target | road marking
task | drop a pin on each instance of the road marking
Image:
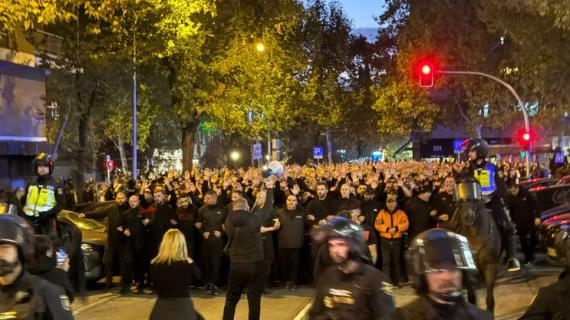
(303, 313)
(94, 304)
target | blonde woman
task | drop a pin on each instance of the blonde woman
(172, 272)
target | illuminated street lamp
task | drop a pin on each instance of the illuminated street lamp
(260, 47)
(235, 155)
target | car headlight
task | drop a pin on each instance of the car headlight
(87, 247)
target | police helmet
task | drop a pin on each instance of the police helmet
(479, 145)
(343, 228)
(43, 159)
(16, 231)
(467, 188)
(436, 249)
(562, 245)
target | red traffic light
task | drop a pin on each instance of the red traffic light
(525, 138)
(426, 69)
(110, 164)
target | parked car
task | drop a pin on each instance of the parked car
(548, 197)
(554, 221)
(92, 244)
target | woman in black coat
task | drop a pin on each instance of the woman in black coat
(172, 273)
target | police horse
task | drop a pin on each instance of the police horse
(472, 220)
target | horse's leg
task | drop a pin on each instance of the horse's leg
(470, 286)
(490, 278)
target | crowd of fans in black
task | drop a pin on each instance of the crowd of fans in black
(392, 201)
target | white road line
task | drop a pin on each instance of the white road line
(304, 311)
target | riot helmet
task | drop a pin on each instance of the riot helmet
(16, 231)
(343, 228)
(479, 145)
(43, 159)
(436, 250)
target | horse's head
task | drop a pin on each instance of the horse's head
(467, 212)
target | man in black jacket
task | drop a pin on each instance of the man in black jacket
(290, 241)
(132, 247)
(245, 249)
(210, 225)
(114, 236)
(521, 208)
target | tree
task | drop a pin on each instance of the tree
(28, 15)
(327, 46)
(438, 29)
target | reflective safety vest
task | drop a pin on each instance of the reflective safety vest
(486, 177)
(39, 199)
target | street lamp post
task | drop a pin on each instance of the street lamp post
(513, 92)
(135, 106)
(260, 47)
(235, 156)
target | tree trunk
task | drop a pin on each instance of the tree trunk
(188, 136)
(120, 145)
(329, 146)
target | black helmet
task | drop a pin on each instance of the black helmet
(341, 227)
(562, 246)
(436, 249)
(479, 145)
(15, 230)
(43, 159)
(467, 188)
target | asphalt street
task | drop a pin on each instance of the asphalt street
(513, 295)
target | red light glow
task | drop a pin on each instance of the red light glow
(426, 69)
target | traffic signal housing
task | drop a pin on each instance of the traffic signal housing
(525, 138)
(426, 74)
(110, 164)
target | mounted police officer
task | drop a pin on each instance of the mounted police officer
(24, 296)
(350, 288)
(494, 191)
(440, 262)
(44, 197)
(551, 303)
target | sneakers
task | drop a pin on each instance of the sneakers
(290, 286)
(513, 265)
(212, 289)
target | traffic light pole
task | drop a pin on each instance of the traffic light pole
(514, 93)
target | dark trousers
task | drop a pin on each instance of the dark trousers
(528, 242)
(211, 259)
(289, 264)
(110, 257)
(244, 276)
(391, 251)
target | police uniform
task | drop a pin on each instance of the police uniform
(353, 289)
(363, 294)
(30, 297)
(44, 199)
(493, 191)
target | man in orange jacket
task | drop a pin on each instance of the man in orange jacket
(391, 222)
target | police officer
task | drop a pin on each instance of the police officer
(494, 191)
(440, 260)
(350, 288)
(551, 303)
(24, 296)
(44, 197)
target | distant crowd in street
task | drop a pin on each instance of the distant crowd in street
(392, 201)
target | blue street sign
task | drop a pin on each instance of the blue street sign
(256, 151)
(318, 152)
(457, 148)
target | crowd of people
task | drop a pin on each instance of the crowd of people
(392, 201)
(248, 229)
